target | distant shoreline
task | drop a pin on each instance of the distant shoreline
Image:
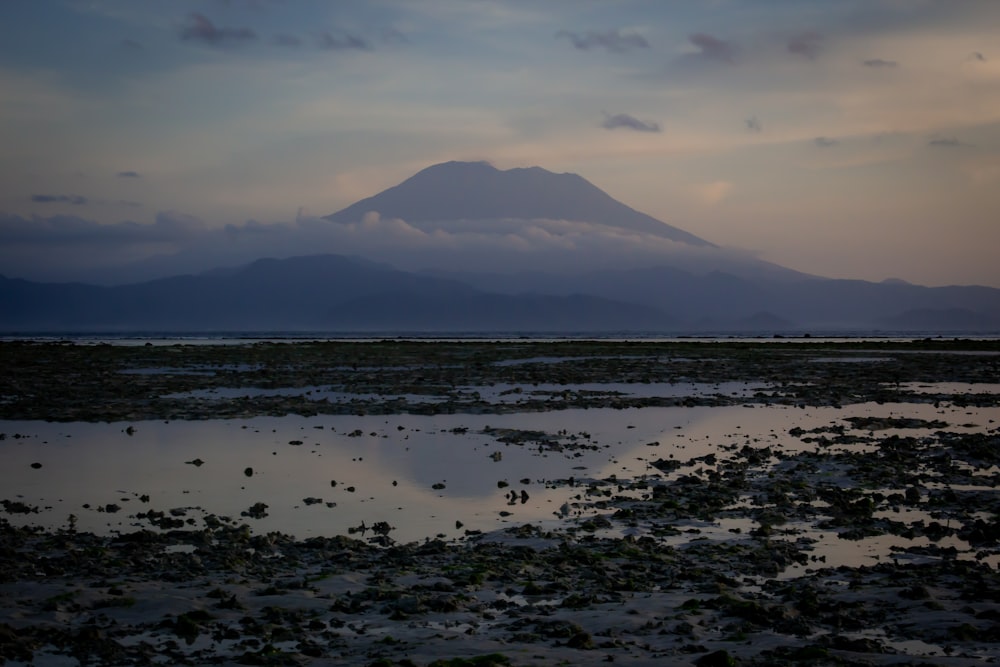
(125, 337)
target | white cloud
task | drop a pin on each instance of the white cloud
(177, 243)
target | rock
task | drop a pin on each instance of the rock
(256, 511)
(719, 658)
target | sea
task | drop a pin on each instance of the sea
(280, 336)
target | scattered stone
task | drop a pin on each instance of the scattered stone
(256, 511)
(719, 658)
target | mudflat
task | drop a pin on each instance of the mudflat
(845, 513)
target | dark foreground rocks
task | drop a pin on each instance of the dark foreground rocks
(522, 597)
(71, 382)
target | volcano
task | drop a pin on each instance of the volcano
(470, 191)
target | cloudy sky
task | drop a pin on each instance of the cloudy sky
(846, 138)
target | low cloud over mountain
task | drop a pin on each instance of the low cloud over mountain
(453, 216)
(123, 252)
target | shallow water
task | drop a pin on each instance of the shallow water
(498, 393)
(951, 388)
(425, 476)
(98, 464)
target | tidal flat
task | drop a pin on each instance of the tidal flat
(406, 502)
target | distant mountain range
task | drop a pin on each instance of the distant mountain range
(707, 291)
(314, 293)
(344, 294)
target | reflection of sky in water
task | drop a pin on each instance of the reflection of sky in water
(497, 393)
(100, 464)
(311, 393)
(512, 393)
(950, 387)
(850, 360)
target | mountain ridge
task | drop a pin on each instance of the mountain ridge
(336, 293)
(314, 293)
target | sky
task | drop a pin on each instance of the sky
(843, 138)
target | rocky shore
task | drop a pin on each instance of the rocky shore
(103, 382)
(718, 559)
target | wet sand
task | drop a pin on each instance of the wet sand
(718, 558)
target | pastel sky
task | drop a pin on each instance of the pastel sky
(845, 138)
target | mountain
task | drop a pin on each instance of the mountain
(473, 191)
(313, 293)
(349, 294)
(942, 319)
(691, 286)
(485, 312)
(719, 300)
